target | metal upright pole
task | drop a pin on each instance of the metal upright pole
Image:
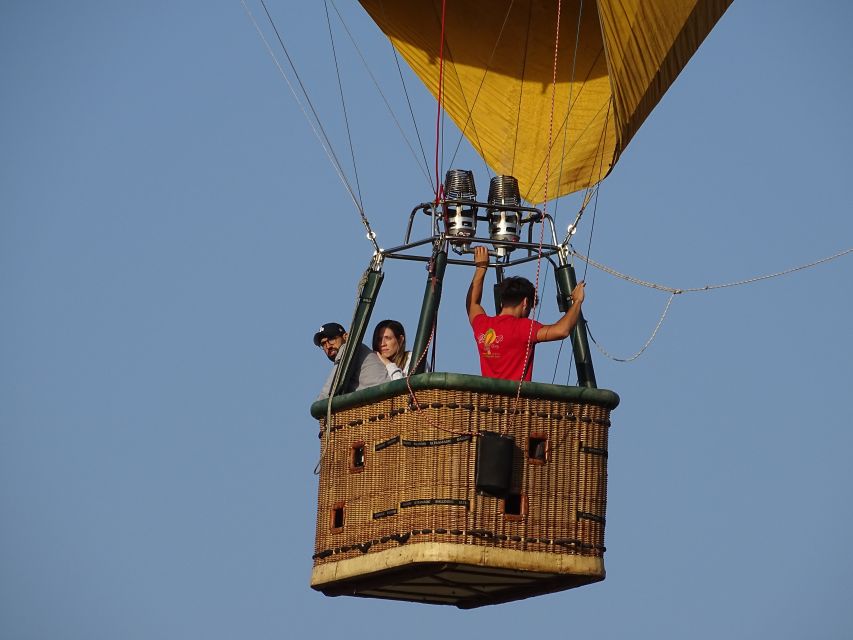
(566, 282)
(429, 308)
(499, 278)
(361, 318)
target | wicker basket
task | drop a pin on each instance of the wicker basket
(399, 515)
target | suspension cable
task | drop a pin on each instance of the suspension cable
(565, 126)
(521, 88)
(411, 110)
(596, 191)
(379, 89)
(601, 109)
(440, 94)
(479, 89)
(418, 358)
(591, 192)
(343, 102)
(569, 102)
(315, 123)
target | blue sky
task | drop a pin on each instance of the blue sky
(171, 235)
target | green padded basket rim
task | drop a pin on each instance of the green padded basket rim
(465, 382)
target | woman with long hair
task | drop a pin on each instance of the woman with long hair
(389, 343)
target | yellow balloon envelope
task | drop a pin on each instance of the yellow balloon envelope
(615, 60)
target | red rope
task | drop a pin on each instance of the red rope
(438, 186)
(439, 195)
(544, 202)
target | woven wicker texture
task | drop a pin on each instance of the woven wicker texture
(417, 480)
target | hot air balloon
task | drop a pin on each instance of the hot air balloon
(455, 489)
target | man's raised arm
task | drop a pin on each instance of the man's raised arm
(563, 327)
(475, 291)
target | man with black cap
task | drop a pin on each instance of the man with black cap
(367, 369)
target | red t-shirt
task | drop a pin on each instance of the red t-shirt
(502, 343)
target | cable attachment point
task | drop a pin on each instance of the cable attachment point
(370, 235)
(377, 260)
(571, 230)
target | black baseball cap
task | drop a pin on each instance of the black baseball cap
(329, 330)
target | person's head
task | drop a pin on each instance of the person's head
(517, 294)
(330, 338)
(389, 340)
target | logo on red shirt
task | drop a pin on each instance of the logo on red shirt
(490, 340)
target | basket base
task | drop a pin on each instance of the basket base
(466, 576)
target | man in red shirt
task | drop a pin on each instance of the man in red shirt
(506, 341)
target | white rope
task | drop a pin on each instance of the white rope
(674, 292)
(645, 346)
(707, 287)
